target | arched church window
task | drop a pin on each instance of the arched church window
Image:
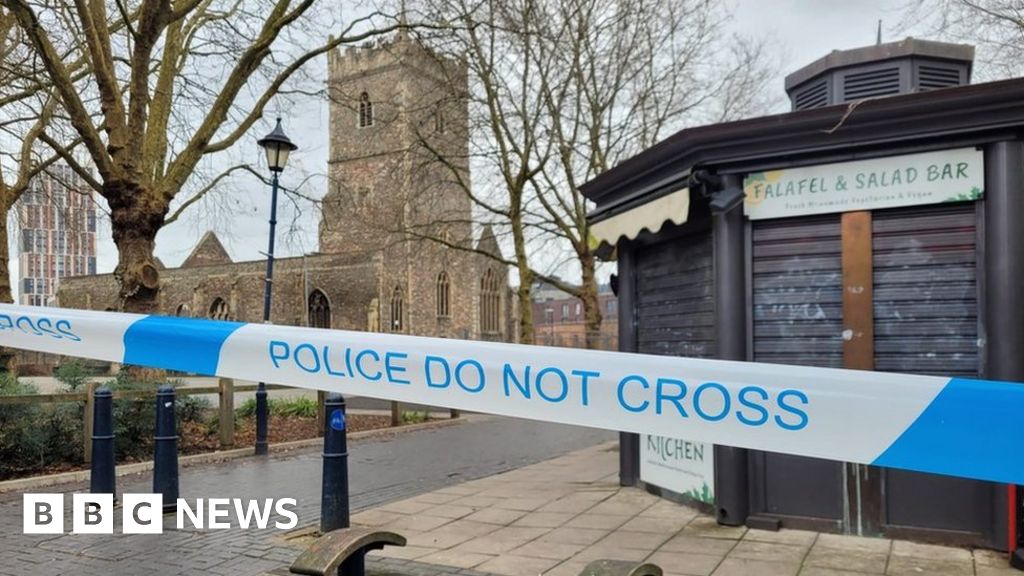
(319, 310)
(219, 309)
(365, 110)
(490, 302)
(397, 310)
(183, 311)
(443, 295)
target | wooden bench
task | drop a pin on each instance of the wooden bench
(620, 568)
(330, 551)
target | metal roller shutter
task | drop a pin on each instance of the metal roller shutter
(797, 319)
(675, 298)
(926, 292)
(926, 322)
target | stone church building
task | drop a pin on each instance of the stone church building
(398, 163)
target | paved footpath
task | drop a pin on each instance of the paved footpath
(488, 497)
(554, 517)
(382, 470)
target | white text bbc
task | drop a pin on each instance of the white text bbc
(142, 513)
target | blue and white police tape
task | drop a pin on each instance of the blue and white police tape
(955, 426)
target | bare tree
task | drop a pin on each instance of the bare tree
(562, 90)
(175, 80)
(996, 27)
(28, 108)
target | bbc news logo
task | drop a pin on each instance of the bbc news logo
(143, 513)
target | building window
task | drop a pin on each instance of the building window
(319, 310)
(219, 309)
(365, 111)
(565, 312)
(397, 310)
(609, 306)
(579, 310)
(183, 311)
(443, 295)
(490, 302)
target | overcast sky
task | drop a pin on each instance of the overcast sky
(806, 30)
(800, 31)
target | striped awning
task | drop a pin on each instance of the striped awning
(651, 216)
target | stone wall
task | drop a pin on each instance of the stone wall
(349, 283)
(384, 180)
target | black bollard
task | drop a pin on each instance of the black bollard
(334, 509)
(101, 478)
(165, 450)
(334, 504)
(261, 419)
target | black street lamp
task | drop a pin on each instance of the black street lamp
(277, 146)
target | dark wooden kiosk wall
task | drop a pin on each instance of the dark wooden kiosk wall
(930, 288)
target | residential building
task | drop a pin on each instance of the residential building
(57, 234)
(558, 317)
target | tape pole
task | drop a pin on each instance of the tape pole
(954, 426)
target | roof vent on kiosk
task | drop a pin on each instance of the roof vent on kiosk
(910, 65)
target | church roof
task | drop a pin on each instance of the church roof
(208, 251)
(488, 243)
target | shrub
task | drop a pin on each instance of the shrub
(247, 409)
(34, 437)
(134, 419)
(191, 408)
(72, 374)
(299, 407)
(415, 416)
(65, 426)
(20, 429)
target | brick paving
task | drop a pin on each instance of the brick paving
(399, 567)
(382, 470)
(554, 517)
(499, 509)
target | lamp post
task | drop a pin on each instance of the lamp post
(277, 147)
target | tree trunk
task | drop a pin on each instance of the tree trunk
(525, 290)
(135, 218)
(6, 296)
(525, 295)
(8, 356)
(591, 304)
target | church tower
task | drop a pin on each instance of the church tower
(398, 147)
(398, 172)
(398, 175)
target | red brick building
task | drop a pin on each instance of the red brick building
(57, 239)
(558, 318)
